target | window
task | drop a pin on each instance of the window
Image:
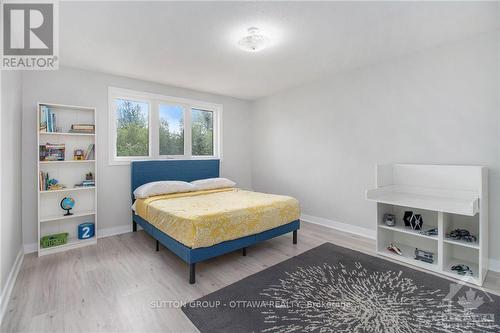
(148, 126)
(132, 133)
(171, 130)
(202, 131)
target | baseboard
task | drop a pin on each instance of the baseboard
(30, 248)
(11, 281)
(113, 231)
(365, 232)
(494, 265)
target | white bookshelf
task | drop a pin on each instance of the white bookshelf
(69, 172)
(447, 197)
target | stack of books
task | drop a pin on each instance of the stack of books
(82, 128)
(47, 120)
(52, 152)
(86, 183)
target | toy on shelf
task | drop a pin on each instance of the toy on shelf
(67, 204)
(407, 217)
(394, 249)
(414, 221)
(424, 256)
(430, 232)
(86, 230)
(462, 269)
(78, 155)
(53, 185)
(390, 220)
(463, 235)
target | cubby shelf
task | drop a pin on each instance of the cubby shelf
(72, 243)
(473, 266)
(446, 196)
(409, 231)
(67, 161)
(472, 245)
(66, 217)
(71, 189)
(409, 257)
(66, 134)
(51, 217)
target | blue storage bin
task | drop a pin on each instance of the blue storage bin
(86, 230)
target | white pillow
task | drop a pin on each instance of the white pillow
(212, 183)
(162, 187)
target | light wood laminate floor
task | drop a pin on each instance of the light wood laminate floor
(110, 286)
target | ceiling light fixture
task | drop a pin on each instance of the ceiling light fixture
(254, 41)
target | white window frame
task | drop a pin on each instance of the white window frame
(154, 101)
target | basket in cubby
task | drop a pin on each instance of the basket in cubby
(54, 240)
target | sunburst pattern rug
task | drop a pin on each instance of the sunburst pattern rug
(334, 289)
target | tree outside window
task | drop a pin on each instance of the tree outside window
(132, 128)
(171, 130)
(202, 130)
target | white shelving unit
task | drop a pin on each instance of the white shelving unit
(69, 172)
(448, 197)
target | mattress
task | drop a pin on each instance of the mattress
(205, 218)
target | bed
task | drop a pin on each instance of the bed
(197, 226)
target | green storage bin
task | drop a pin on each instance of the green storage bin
(54, 240)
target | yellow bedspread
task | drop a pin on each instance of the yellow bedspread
(204, 218)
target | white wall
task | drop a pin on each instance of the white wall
(320, 142)
(77, 87)
(10, 176)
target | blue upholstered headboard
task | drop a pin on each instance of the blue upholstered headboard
(186, 170)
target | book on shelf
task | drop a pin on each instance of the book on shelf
(86, 183)
(89, 154)
(43, 181)
(47, 120)
(52, 152)
(82, 128)
(43, 118)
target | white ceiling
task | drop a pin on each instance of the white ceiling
(192, 44)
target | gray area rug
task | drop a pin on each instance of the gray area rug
(334, 289)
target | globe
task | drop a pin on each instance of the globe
(67, 204)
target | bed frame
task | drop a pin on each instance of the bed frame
(188, 170)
